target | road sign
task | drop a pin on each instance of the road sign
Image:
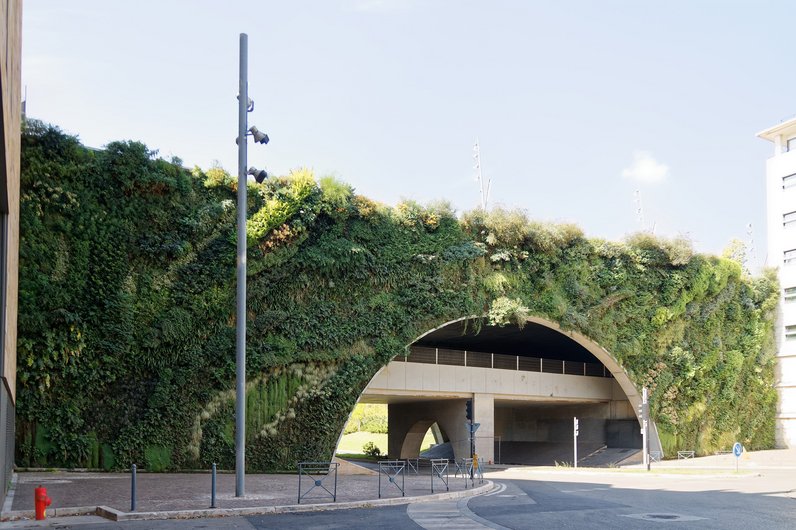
(737, 449)
(473, 427)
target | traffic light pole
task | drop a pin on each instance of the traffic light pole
(575, 440)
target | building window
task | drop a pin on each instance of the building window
(790, 294)
(789, 181)
(791, 146)
(790, 256)
(788, 218)
(790, 332)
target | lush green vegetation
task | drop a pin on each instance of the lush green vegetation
(127, 314)
(368, 417)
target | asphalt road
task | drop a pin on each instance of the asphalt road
(527, 499)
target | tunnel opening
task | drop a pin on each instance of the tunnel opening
(523, 387)
(533, 424)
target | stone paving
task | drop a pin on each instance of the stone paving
(191, 491)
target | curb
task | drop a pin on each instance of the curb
(117, 515)
(51, 513)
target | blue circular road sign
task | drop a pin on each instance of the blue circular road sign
(737, 449)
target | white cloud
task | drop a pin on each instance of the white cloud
(646, 169)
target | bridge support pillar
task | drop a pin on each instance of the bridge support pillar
(484, 413)
(407, 424)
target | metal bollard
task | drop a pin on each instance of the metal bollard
(132, 491)
(213, 488)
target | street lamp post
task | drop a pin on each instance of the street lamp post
(240, 319)
(245, 105)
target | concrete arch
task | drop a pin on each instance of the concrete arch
(604, 356)
(406, 438)
(413, 438)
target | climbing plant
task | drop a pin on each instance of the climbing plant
(126, 348)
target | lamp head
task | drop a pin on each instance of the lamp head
(259, 137)
(259, 174)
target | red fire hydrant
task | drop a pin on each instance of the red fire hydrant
(42, 501)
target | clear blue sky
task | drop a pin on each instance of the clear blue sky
(577, 104)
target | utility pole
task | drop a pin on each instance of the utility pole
(479, 176)
(639, 210)
(240, 315)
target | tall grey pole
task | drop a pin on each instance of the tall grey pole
(240, 317)
(645, 427)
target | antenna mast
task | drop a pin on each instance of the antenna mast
(639, 209)
(752, 255)
(479, 176)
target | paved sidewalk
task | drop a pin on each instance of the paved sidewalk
(159, 492)
(749, 461)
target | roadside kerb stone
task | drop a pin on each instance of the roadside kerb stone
(183, 494)
(117, 515)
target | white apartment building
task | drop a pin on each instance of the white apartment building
(781, 228)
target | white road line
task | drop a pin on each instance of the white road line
(451, 514)
(500, 489)
(433, 515)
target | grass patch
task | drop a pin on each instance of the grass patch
(351, 444)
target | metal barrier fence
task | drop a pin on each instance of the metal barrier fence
(685, 455)
(426, 355)
(413, 464)
(317, 472)
(393, 469)
(439, 470)
(465, 467)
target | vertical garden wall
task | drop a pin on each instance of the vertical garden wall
(127, 315)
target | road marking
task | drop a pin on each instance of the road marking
(584, 489)
(443, 515)
(500, 489)
(451, 514)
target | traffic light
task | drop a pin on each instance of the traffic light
(468, 408)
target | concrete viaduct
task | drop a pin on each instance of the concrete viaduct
(525, 384)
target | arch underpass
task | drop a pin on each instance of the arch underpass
(525, 384)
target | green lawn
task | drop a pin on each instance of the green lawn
(352, 443)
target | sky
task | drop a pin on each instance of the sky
(583, 110)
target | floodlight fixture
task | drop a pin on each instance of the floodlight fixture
(259, 136)
(259, 174)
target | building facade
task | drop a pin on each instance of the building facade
(10, 111)
(781, 228)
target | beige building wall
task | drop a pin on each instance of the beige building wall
(10, 86)
(10, 114)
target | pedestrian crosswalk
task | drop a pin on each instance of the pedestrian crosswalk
(449, 514)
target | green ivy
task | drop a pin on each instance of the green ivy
(126, 349)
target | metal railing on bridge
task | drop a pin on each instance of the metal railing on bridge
(426, 355)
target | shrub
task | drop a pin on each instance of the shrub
(371, 449)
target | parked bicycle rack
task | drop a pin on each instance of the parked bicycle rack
(317, 472)
(392, 469)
